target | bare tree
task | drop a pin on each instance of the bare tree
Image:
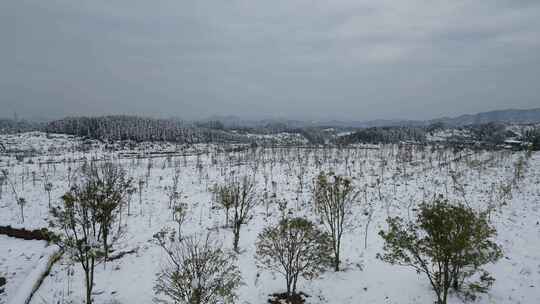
(172, 190)
(2, 180)
(224, 196)
(140, 188)
(334, 198)
(48, 188)
(243, 204)
(130, 192)
(18, 200)
(179, 215)
(198, 271)
(21, 201)
(240, 196)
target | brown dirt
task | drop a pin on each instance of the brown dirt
(280, 298)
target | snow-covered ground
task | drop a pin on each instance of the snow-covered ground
(365, 279)
(17, 260)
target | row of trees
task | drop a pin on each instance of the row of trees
(9, 126)
(378, 135)
(123, 127)
(533, 136)
(488, 133)
(138, 129)
(449, 243)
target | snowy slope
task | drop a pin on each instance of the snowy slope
(365, 279)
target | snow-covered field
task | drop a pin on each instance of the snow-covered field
(17, 260)
(406, 175)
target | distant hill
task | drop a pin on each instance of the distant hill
(502, 116)
(218, 128)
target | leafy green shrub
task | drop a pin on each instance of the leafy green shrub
(294, 248)
(448, 243)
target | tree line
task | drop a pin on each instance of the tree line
(138, 129)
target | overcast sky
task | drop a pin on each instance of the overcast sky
(331, 59)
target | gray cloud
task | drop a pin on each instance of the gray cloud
(339, 59)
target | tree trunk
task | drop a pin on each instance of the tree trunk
(140, 201)
(455, 279)
(289, 283)
(106, 243)
(445, 295)
(236, 237)
(179, 232)
(295, 279)
(120, 219)
(88, 282)
(439, 299)
(196, 299)
(336, 254)
(88, 292)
